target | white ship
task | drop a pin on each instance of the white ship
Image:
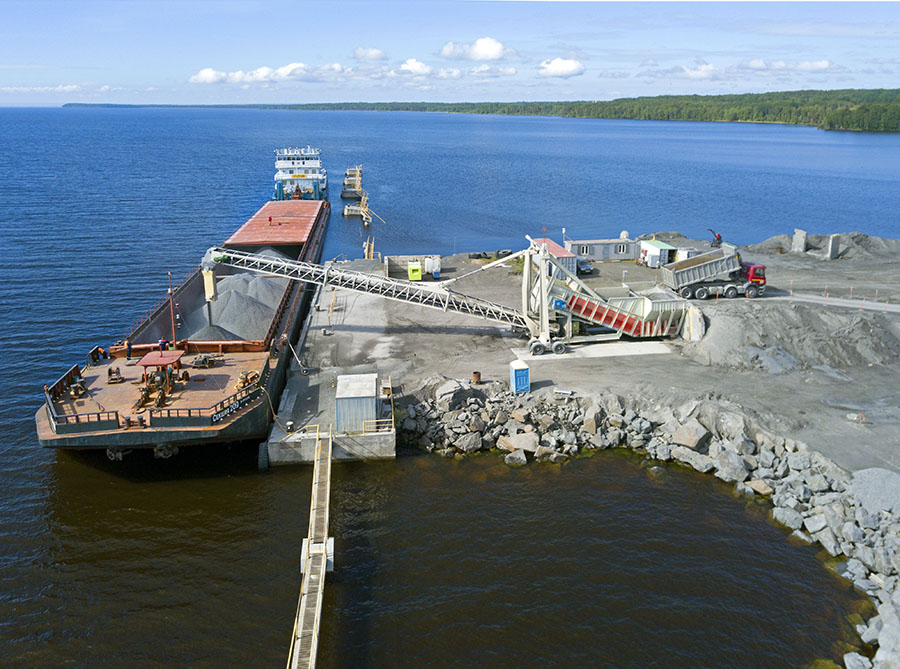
(299, 175)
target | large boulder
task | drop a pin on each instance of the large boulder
(592, 419)
(469, 443)
(543, 453)
(692, 435)
(760, 487)
(788, 517)
(877, 490)
(731, 467)
(888, 654)
(699, 461)
(857, 661)
(516, 458)
(526, 441)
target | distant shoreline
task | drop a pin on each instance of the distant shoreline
(859, 110)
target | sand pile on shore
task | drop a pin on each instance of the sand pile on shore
(780, 337)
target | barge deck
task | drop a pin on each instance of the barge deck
(212, 387)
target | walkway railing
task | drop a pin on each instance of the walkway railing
(305, 637)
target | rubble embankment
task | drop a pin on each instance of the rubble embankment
(852, 516)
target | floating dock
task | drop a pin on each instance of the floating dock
(353, 189)
(361, 210)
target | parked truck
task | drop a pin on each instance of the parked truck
(717, 272)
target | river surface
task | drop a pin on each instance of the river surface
(193, 561)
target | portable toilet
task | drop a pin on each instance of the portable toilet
(429, 266)
(437, 268)
(519, 381)
(414, 270)
(355, 402)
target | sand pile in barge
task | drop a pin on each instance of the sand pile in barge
(244, 309)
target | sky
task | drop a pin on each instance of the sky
(241, 51)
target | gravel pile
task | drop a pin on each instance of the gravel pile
(244, 308)
(779, 337)
(853, 245)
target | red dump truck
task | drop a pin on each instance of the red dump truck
(717, 272)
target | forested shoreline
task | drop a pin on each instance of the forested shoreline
(868, 110)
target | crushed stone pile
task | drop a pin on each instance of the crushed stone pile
(781, 337)
(244, 309)
(853, 245)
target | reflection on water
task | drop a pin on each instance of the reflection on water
(438, 562)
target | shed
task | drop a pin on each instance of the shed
(355, 402)
(600, 250)
(655, 253)
(565, 258)
(685, 252)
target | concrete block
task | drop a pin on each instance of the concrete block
(833, 248)
(798, 242)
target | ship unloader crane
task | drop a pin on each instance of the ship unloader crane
(553, 299)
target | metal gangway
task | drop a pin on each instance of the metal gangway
(316, 559)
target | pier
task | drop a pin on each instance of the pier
(317, 558)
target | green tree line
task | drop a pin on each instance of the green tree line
(875, 110)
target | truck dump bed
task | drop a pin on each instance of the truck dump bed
(703, 267)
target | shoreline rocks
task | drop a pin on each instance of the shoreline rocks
(851, 516)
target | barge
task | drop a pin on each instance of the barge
(196, 371)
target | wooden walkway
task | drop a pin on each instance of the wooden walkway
(305, 638)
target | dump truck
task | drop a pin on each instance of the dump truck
(716, 272)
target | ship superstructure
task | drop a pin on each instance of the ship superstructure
(299, 174)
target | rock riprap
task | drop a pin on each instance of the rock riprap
(850, 516)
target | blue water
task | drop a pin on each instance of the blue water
(97, 205)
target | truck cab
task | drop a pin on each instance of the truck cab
(754, 273)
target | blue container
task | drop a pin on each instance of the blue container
(519, 379)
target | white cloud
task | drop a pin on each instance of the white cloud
(264, 74)
(368, 53)
(415, 68)
(488, 71)
(103, 89)
(755, 67)
(761, 65)
(449, 73)
(484, 48)
(561, 67)
(62, 88)
(649, 62)
(207, 76)
(613, 74)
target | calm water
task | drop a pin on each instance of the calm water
(194, 561)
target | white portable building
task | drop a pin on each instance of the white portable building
(355, 402)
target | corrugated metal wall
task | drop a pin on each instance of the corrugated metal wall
(351, 412)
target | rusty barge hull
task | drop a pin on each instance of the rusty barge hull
(212, 405)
